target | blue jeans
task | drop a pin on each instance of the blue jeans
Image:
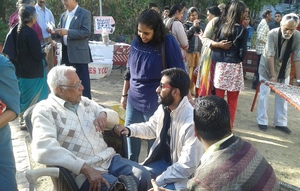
(156, 168)
(121, 166)
(135, 116)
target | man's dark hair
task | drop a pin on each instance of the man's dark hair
(178, 79)
(166, 7)
(266, 13)
(153, 20)
(212, 118)
(214, 10)
(150, 5)
(278, 13)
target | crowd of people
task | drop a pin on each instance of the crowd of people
(178, 72)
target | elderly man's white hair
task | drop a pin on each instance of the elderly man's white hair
(56, 76)
(290, 16)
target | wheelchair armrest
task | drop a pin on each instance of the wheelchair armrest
(66, 181)
(33, 175)
(118, 143)
(124, 146)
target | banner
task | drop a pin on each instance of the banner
(104, 22)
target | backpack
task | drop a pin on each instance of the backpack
(169, 23)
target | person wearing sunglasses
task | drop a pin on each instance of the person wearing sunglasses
(275, 66)
(176, 152)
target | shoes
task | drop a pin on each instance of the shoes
(262, 127)
(284, 129)
(124, 183)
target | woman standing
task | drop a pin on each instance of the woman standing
(9, 94)
(204, 82)
(193, 28)
(30, 67)
(247, 24)
(152, 50)
(229, 69)
(174, 24)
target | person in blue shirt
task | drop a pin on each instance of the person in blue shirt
(10, 95)
(152, 44)
(247, 24)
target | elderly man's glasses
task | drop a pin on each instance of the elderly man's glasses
(162, 86)
(75, 86)
(292, 17)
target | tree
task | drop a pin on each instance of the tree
(126, 11)
(257, 6)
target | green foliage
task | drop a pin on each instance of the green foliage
(257, 6)
(295, 8)
(125, 12)
(3, 31)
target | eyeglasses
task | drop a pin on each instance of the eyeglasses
(292, 17)
(162, 86)
(75, 86)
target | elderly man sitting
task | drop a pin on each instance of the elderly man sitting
(67, 132)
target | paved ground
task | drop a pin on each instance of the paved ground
(20, 152)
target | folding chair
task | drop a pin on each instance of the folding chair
(61, 177)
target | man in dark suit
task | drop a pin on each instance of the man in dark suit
(75, 31)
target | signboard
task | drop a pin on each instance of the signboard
(102, 60)
(104, 22)
(99, 70)
(100, 51)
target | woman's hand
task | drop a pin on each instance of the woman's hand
(196, 23)
(224, 44)
(124, 101)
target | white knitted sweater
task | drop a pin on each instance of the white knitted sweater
(62, 138)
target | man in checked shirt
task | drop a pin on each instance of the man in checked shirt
(261, 40)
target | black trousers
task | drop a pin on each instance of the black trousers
(82, 71)
(256, 75)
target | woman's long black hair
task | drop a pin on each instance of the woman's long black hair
(153, 20)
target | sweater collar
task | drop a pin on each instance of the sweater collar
(65, 104)
(214, 147)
